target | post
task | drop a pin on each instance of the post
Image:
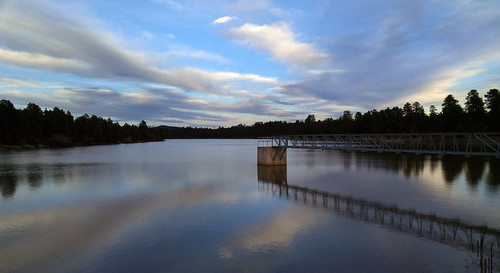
(271, 156)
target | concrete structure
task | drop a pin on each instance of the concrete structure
(271, 156)
(272, 174)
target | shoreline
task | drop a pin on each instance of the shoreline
(4, 147)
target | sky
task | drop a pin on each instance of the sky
(221, 63)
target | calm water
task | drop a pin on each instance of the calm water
(204, 205)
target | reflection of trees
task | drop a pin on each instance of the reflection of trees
(384, 161)
(412, 165)
(451, 167)
(409, 164)
(34, 176)
(493, 177)
(434, 162)
(8, 181)
(59, 172)
(11, 176)
(347, 157)
(474, 169)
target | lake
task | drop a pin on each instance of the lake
(205, 206)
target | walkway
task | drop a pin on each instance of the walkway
(468, 144)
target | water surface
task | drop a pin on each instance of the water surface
(204, 205)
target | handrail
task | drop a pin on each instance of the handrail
(468, 144)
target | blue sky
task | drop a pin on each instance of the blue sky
(221, 63)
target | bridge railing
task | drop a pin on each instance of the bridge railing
(485, 144)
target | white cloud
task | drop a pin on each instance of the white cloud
(225, 76)
(407, 57)
(42, 61)
(396, 52)
(186, 52)
(225, 19)
(7, 82)
(203, 81)
(279, 40)
(52, 42)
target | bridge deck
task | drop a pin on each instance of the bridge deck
(469, 144)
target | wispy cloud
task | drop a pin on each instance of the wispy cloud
(42, 61)
(414, 52)
(64, 45)
(279, 40)
(225, 19)
(152, 104)
(318, 58)
(186, 52)
(19, 82)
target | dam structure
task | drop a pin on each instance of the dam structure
(272, 150)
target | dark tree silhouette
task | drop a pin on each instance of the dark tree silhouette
(33, 119)
(7, 117)
(410, 118)
(474, 109)
(493, 101)
(452, 114)
(493, 106)
(310, 119)
(57, 128)
(434, 124)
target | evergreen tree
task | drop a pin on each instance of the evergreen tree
(493, 105)
(33, 119)
(58, 128)
(493, 101)
(8, 119)
(474, 108)
(434, 120)
(432, 110)
(452, 114)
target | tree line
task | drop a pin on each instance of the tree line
(477, 115)
(56, 128)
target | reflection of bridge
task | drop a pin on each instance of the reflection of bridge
(481, 240)
(469, 144)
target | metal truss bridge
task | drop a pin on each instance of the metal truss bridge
(468, 144)
(482, 241)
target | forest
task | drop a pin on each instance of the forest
(32, 127)
(477, 115)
